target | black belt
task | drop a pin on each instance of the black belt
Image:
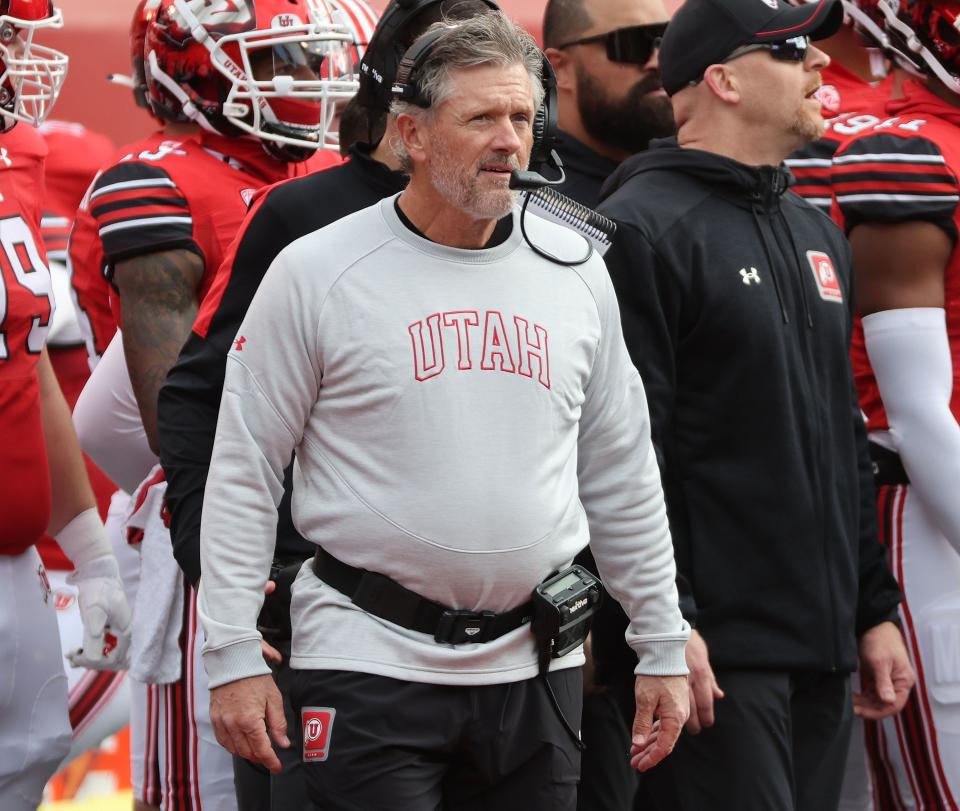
(887, 467)
(377, 594)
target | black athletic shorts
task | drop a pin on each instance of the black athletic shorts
(372, 743)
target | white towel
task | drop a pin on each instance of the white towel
(155, 656)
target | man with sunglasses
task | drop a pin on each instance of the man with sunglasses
(736, 304)
(611, 102)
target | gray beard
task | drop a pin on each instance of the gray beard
(463, 191)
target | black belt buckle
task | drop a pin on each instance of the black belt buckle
(458, 627)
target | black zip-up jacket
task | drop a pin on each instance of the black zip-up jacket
(189, 402)
(737, 309)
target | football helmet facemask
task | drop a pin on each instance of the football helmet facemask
(271, 69)
(31, 75)
(926, 35)
(361, 21)
(868, 21)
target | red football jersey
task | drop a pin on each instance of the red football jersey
(904, 167)
(75, 156)
(162, 194)
(848, 102)
(26, 308)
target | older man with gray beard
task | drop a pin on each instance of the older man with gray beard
(465, 418)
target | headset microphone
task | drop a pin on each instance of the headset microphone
(531, 181)
(543, 155)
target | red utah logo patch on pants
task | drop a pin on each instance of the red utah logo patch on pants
(317, 723)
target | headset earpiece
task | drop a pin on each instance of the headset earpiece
(545, 121)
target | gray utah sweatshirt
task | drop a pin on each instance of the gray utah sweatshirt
(464, 422)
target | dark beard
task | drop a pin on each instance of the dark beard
(629, 123)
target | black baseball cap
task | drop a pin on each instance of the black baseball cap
(704, 32)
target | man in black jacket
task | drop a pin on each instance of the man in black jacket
(611, 102)
(737, 309)
(189, 401)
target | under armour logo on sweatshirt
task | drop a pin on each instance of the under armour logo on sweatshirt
(519, 350)
(238, 343)
(749, 277)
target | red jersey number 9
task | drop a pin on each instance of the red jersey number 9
(18, 252)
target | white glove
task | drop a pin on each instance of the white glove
(105, 615)
(103, 605)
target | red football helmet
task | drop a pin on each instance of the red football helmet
(273, 69)
(30, 75)
(143, 15)
(926, 33)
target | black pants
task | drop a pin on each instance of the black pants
(607, 781)
(779, 744)
(405, 746)
(257, 789)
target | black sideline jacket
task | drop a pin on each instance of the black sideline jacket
(737, 310)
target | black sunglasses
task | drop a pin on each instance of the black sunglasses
(634, 45)
(789, 50)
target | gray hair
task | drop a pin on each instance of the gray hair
(487, 39)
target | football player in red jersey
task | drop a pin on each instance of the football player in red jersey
(99, 701)
(44, 482)
(259, 80)
(99, 427)
(897, 191)
(857, 84)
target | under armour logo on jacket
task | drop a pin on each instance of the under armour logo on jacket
(749, 276)
(238, 343)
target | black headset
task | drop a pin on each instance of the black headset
(543, 153)
(383, 55)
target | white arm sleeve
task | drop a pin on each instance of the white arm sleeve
(910, 356)
(108, 421)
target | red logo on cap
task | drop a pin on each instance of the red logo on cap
(825, 276)
(317, 728)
